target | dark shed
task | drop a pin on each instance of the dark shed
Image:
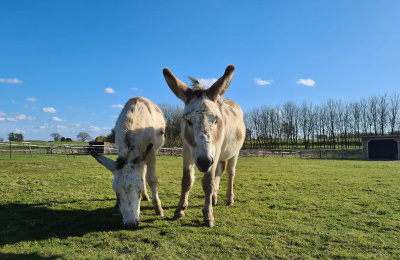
(381, 147)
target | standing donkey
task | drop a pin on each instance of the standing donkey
(213, 132)
(139, 133)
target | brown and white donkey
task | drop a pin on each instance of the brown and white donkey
(212, 132)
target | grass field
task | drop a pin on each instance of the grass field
(285, 208)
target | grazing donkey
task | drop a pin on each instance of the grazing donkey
(213, 132)
(139, 133)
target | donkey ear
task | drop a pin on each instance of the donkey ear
(180, 89)
(106, 162)
(218, 89)
(142, 157)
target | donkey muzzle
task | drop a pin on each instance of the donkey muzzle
(132, 224)
(203, 163)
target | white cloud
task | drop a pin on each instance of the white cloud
(49, 110)
(306, 82)
(19, 131)
(11, 81)
(25, 118)
(109, 90)
(13, 101)
(11, 119)
(95, 129)
(61, 127)
(69, 107)
(207, 82)
(261, 82)
(26, 106)
(57, 119)
(32, 99)
(2, 114)
(45, 126)
(117, 106)
(134, 88)
(35, 108)
(93, 114)
(2, 119)
(74, 125)
(113, 116)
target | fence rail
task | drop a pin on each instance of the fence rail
(28, 149)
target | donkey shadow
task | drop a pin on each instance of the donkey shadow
(29, 222)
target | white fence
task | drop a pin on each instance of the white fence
(12, 149)
(71, 150)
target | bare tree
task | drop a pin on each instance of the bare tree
(394, 102)
(382, 113)
(57, 136)
(173, 117)
(332, 120)
(373, 112)
(83, 137)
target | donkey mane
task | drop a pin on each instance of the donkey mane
(196, 84)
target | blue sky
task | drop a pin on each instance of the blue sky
(68, 66)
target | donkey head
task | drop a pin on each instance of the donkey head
(203, 125)
(127, 183)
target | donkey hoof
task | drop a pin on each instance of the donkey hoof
(230, 203)
(209, 223)
(179, 214)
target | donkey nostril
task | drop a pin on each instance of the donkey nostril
(203, 163)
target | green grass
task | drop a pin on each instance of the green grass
(285, 208)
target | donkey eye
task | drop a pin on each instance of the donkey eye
(216, 121)
(189, 123)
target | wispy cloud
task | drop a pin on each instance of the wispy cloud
(9, 119)
(261, 82)
(109, 90)
(207, 82)
(95, 128)
(69, 107)
(25, 118)
(2, 114)
(49, 110)
(57, 119)
(45, 126)
(11, 81)
(306, 82)
(61, 127)
(31, 99)
(134, 88)
(117, 106)
(74, 125)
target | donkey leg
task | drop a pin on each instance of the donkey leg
(187, 184)
(153, 181)
(218, 174)
(231, 171)
(145, 196)
(208, 187)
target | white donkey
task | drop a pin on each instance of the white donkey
(213, 132)
(139, 133)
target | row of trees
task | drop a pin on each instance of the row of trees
(334, 124)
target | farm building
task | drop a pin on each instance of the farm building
(381, 147)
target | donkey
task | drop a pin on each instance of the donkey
(212, 132)
(139, 133)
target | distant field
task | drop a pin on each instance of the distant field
(285, 208)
